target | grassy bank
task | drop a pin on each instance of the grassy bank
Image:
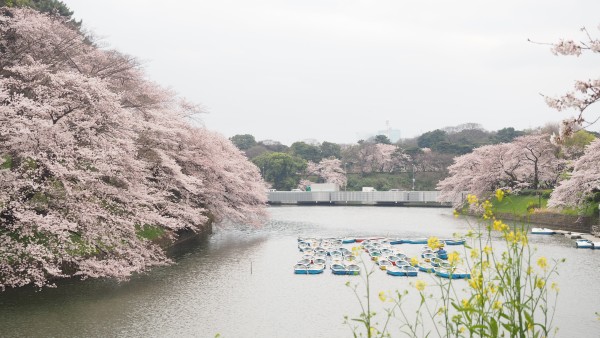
(521, 205)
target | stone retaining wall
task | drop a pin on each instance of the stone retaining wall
(554, 221)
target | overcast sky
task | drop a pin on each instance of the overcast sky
(337, 70)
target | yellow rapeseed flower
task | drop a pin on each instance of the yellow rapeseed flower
(465, 303)
(434, 243)
(497, 305)
(474, 254)
(554, 286)
(499, 195)
(414, 261)
(498, 225)
(382, 296)
(487, 209)
(487, 249)
(529, 270)
(456, 213)
(510, 237)
(542, 262)
(420, 285)
(540, 283)
(453, 257)
(472, 199)
(461, 330)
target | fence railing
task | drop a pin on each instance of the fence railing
(363, 197)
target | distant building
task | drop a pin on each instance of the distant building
(323, 187)
(392, 134)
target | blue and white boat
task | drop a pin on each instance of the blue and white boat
(584, 244)
(396, 241)
(446, 273)
(352, 269)
(395, 271)
(384, 264)
(416, 241)
(409, 271)
(425, 267)
(311, 269)
(454, 241)
(461, 273)
(339, 269)
(442, 254)
(348, 240)
(542, 231)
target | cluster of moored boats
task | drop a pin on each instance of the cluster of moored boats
(317, 253)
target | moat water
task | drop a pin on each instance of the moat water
(240, 283)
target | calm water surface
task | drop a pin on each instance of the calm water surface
(240, 283)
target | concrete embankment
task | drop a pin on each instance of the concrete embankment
(565, 223)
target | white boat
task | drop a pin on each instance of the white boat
(584, 244)
(542, 231)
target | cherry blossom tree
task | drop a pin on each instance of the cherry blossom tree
(329, 170)
(586, 93)
(583, 183)
(528, 161)
(91, 153)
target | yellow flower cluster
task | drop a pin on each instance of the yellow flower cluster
(500, 226)
(487, 209)
(454, 258)
(434, 243)
(497, 305)
(472, 199)
(499, 195)
(540, 283)
(542, 262)
(516, 237)
(420, 285)
(382, 296)
(414, 261)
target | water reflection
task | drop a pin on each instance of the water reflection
(239, 282)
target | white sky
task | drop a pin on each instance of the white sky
(337, 70)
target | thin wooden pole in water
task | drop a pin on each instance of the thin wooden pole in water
(250, 266)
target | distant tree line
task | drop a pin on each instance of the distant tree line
(377, 161)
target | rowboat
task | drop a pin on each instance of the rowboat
(396, 241)
(425, 267)
(401, 263)
(409, 271)
(352, 269)
(454, 241)
(339, 269)
(462, 273)
(542, 231)
(435, 261)
(311, 269)
(442, 254)
(384, 264)
(416, 241)
(429, 256)
(446, 273)
(395, 271)
(348, 240)
(584, 244)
